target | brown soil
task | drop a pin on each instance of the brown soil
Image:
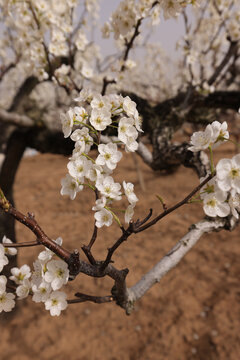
(193, 313)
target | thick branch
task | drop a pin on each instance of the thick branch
(172, 258)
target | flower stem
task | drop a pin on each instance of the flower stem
(211, 160)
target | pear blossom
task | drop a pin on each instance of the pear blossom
(6, 302)
(70, 186)
(3, 258)
(79, 114)
(83, 141)
(56, 303)
(116, 102)
(94, 172)
(101, 102)
(3, 283)
(210, 187)
(127, 133)
(103, 217)
(38, 272)
(220, 133)
(100, 119)
(234, 203)
(67, 123)
(228, 173)
(108, 155)
(22, 290)
(201, 140)
(57, 273)
(85, 95)
(46, 255)
(99, 204)
(214, 205)
(129, 192)
(87, 71)
(81, 40)
(109, 188)
(129, 212)
(79, 167)
(41, 293)
(8, 250)
(171, 8)
(129, 106)
(20, 274)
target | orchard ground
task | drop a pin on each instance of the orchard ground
(193, 313)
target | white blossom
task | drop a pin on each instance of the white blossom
(57, 273)
(103, 217)
(67, 123)
(109, 188)
(108, 155)
(3, 258)
(70, 186)
(83, 141)
(228, 173)
(79, 167)
(94, 172)
(100, 102)
(214, 205)
(38, 271)
(46, 255)
(56, 303)
(234, 203)
(85, 95)
(41, 293)
(3, 282)
(129, 192)
(8, 250)
(127, 133)
(201, 140)
(129, 213)
(6, 302)
(220, 133)
(20, 274)
(22, 290)
(100, 119)
(99, 204)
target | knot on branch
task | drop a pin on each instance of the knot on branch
(74, 264)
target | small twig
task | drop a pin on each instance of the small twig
(129, 44)
(96, 299)
(106, 82)
(124, 237)
(87, 248)
(23, 244)
(176, 206)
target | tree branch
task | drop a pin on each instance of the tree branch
(96, 299)
(172, 258)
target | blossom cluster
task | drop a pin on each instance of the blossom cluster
(125, 17)
(221, 195)
(94, 116)
(43, 283)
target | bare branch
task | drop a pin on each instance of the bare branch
(172, 258)
(233, 47)
(96, 299)
(176, 206)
